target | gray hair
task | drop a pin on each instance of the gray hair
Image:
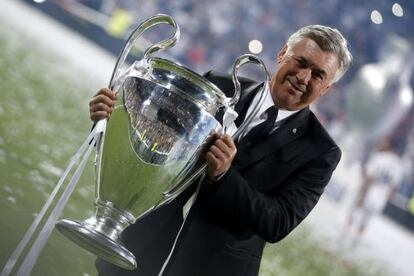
(328, 39)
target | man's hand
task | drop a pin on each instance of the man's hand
(220, 155)
(102, 104)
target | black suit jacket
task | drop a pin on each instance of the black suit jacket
(268, 191)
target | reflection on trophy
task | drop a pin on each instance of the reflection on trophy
(153, 145)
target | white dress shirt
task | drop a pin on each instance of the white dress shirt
(261, 116)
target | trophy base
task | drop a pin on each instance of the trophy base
(99, 244)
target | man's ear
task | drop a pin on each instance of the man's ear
(282, 53)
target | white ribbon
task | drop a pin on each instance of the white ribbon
(28, 263)
(186, 210)
(230, 115)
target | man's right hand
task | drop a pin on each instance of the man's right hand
(102, 104)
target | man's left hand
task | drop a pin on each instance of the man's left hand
(220, 155)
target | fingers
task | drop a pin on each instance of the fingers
(228, 140)
(107, 92)
(220, 156)
(221, 150)
(104, 96)
(99, 115)
(102, 104)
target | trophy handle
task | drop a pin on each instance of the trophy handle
(240, 61)
(164, 44)
(244, 59)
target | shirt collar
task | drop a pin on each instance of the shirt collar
(268, 102)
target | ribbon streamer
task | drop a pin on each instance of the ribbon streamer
(28, 263)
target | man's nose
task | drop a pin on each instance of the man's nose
(304, 75)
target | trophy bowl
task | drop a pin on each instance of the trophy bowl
(153, 143)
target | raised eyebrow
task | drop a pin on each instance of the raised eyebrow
(302, 59)
(315, 69)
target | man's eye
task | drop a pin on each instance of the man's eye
(301, 62)
(318, 76)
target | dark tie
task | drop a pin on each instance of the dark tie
(260, 131)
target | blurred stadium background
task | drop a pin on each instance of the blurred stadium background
(57, 53)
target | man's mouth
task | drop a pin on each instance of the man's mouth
(296, 86)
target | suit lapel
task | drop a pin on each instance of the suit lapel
(290, 130)
(243, 104)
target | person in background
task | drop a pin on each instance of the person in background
(381, 176)
(257, 189)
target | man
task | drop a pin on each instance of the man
(257, 190)
(382, 174)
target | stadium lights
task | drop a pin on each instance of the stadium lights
(376, 17)
(374, 77)
(255, 46)
(397, 10)
(406, 95)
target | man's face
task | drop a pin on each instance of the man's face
(303, 75)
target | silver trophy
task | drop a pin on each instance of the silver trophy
(153, 145)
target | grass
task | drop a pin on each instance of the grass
(301, 253)
(43, 119)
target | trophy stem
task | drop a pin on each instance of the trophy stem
(109, 220)
(100, 234)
